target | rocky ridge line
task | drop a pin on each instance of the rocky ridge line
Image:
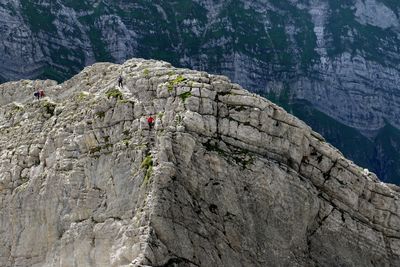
(226, 178)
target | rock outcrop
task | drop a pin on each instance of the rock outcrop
(340, 57)
(225, 178)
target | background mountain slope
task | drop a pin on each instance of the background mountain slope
(342, 58)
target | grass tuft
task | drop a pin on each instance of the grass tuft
(115, 93)
(184, 96)
(147, 164)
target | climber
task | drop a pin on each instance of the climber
(120, 79)
(41, 93)
(36, 94)
(150, 121)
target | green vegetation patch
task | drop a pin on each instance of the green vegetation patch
(95, 149)
(49, 107)
(210, 146)
(115, 93)
(100, 114)
(171, 84)
(185, 96)
(243, 158)
(146, 73)
(126, 142)
(147, 165)
(17, 108)
(170, 73)
(82, 96)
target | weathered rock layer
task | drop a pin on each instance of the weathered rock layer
(225, 178)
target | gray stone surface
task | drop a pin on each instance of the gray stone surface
(225, 178)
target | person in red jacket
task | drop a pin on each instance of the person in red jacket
(150, 121)
(41, 93)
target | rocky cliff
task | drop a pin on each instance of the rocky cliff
(225, 178)
(342, 58)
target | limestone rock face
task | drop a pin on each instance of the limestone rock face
(340, 58)
(224, 178)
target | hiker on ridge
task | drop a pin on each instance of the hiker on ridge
(41, 93)
(36, 95)
(150, 121)
(120, 79)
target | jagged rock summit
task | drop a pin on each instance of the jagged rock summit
(225, 178)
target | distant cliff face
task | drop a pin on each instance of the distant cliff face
(342, 58)
(224, 178)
